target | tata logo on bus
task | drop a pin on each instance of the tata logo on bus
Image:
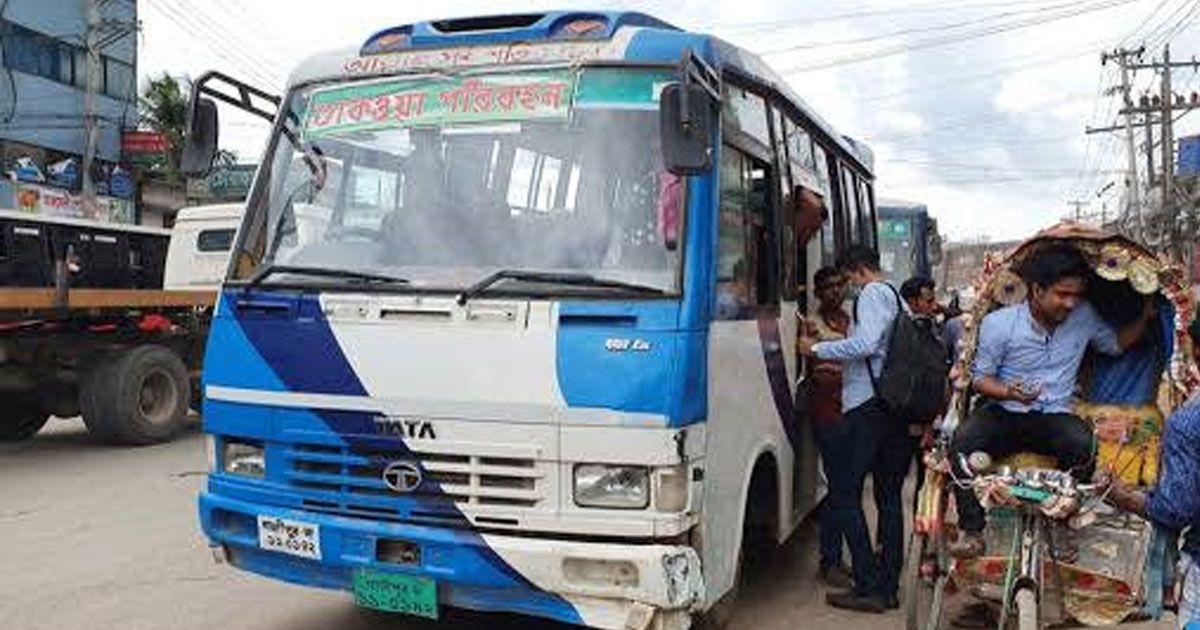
(626, 345)
(403, 477)
(401, 427)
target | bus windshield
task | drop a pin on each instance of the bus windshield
(442, 180)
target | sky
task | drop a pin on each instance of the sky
(976, 109)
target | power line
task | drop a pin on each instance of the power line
(990, 168)
(1150, 16)
(1153, 38)
(966, 121)
(1043, 60)
(255, 25)
(976, 141)
(1184, 22)
(934, 42)
(923, 29)
(189, 29)
(216, 45)
(932, 7)
(239, 47)
(1088, 141)
(1007, 180)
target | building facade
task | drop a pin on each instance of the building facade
(43, 105)
(962, 263)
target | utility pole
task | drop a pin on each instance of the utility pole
(1149, 128)
(90, 117)
(1166, 105)
(1078, 205)
(1168, 149)
(1122, 57)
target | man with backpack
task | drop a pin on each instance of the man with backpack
(876, 424)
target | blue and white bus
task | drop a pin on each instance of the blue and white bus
(533, 350)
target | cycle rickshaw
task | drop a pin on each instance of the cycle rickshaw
(1055, 552)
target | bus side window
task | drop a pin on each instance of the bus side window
(735, 292)
(763, 229)
(866, 203)
(850, 203)
(828, 238)
(785, 132)
(744, 264)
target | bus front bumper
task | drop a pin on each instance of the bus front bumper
(604, 585)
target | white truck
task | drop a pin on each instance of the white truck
(101, 321)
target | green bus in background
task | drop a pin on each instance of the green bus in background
(909, 244)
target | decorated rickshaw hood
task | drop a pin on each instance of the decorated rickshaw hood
(1113, 257)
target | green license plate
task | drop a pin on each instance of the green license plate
(392, 592)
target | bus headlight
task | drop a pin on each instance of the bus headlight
(613, 487)
(243, 458)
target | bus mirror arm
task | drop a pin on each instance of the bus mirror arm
(200, 146)
(686, 117)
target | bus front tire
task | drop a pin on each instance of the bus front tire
(720, 614)
(757, 543)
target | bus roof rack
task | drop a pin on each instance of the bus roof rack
(496, 29)
(487, 23)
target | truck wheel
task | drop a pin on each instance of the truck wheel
(21, 419)
(140, 397)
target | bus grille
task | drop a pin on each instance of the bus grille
(355, 478)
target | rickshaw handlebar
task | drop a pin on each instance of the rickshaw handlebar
(1035, 480)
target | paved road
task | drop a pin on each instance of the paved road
(98, 537)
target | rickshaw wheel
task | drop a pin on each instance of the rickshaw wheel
(1027, 609)
(927, 576)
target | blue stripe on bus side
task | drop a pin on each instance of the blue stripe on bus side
(776, 365)
(304, 356)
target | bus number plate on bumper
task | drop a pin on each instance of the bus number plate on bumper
(290, 537)
(391, 592)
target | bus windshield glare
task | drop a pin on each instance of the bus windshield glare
(442, 180)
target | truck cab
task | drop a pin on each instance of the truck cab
(200, 244)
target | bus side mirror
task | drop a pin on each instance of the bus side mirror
(200, 143)
(685, 124)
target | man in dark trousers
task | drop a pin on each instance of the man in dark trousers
(823, 391)
(878, 442)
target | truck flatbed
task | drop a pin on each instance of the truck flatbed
(26, 300)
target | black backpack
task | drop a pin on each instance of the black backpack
(916, 372)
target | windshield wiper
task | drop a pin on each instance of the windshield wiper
(322, 272)
(550, 277)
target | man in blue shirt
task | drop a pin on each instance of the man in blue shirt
(1174, 505)
(879, 444)
(1027, 363)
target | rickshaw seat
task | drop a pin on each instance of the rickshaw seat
(1019, 461)
(1128, 439)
